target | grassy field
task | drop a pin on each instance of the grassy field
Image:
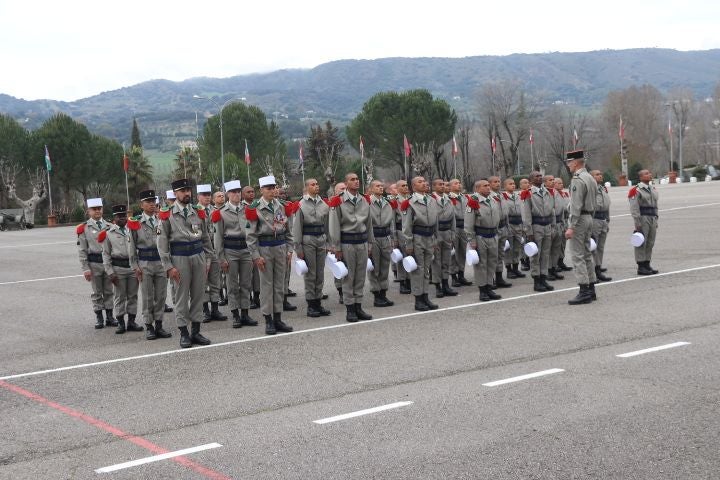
(162, 163)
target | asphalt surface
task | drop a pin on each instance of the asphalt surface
(74, 399)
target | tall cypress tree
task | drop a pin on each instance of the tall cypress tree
(135, 137)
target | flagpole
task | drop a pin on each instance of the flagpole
(248, 169)
(126, 166)
(362, 167)
(49, 192)
(532, 158)
(623, 161)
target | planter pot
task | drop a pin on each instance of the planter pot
(52, 221)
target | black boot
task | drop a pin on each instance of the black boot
(493, 295)
(351, 316)
(449, 292)
(510, 272)
(561, 265)
(591, 288)
(99, 321)
(601, 276)
(109, 320)
(215, 313)
(484, 297)
(120, 324)
(237, 323)
(439, 291)
(388, 302)
(361, 314)
(269, 325)
(340, 296)
(281, 326)
(551, 274)
(464, 281)
(500, 281)
(312, 311)
(246, 319)
(287, 306)
(558, 275)
(643, 269)
(538, 286)
(583, 296)
(405, 287)
(185, 341)
(324, 312)
(206, 313)
(167, 308)
(431, 305)
(160, 331)
(150, 332)
(132, 326)
(647, 264)
(290, 293)
(195, 335)
(518, 273)
(420, 304)
(254, 300)
(548, 287)
(380, 301)
(455, 280)
(603, 269)
(525, 264)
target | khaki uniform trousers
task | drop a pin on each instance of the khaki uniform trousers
(540, 262)
(599, 233)
(154, 291)
(648, 227)
(556, 243)
(381, 250)
(272, 279)
(315, 253)
(125, 292)
(485, 269)
(238, 278)
(355, 257)
(441, 261)
(214, 283)
(190, 291)
(102, 288)
(423, 253)
(580, 254)
(503, 234)
(457, 262)
(515, 235)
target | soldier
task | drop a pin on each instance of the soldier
(116, 260)
(482, 217)
(564, 199)
(643, 200)
(558, 232)
(351, 235)
(503, 232)
(248, 197)
(186, 254)
(601, 225)
(524, 259)
(339, 190)
(282, 196)
(270, 243)
(419, 222)
(145, 261)
(538, 214)
(583, 198)
(457, 262)
(218, 201)
(212, 293)
(440, 272)
(310, 235)
(515, 231)
(233, 256)
(382, 213)
(91, 261)
(402, 195)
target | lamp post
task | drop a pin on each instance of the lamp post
(670, 134)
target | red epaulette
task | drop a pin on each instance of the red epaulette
(201, 213)
(632, 192)
(291, 208)
(327, 201)
(251, 214)
(80, 229)
(552, 191)
(506, 196)
(215, 217)
(394, 204)
(335, 201)
(497, 198)
(454, 200)
(525, 194)
(367, 199)
(405, 205)
(164, 214)
(472, 203)
(102, 236)
(133, 224)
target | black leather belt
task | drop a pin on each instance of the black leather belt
(459, 223)
(398, 226)
(538, 220)
(186, 249)
(558, 218)
(149, 254)
(314, 229)
(515, 219)
(120, 262)
(381, 231)
(423, 231)
(444, 225)
(586, 212)
(234, 242)
(602, 215)
(94, 257)
(648, 211)
(502, 224)
(353, 238)
(485, 232)
(271, 240)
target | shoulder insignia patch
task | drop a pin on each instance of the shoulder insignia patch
(102, 236)
(215, 217)
(80, 229)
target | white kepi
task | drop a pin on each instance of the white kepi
(471, 256)
(370, 267)
(301, 267)
(339, 270)
(530, 249)
(267, 181)
(593, 244)
(94, 202)
(506, 247)
(396, 255)
(204, 188)
(169, 194)
(637, 239)
(232, 185)
(409, 264)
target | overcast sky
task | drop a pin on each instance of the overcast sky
(70, 49)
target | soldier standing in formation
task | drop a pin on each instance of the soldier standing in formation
(91, 262)
(282, 196)
(403, 193)
(310, 235)
(601, 225)
(232, 253)
(116, 260)
(482, 217)
(351, 235)
(503, 232)
(583, 198)
(339, 190)
(643, 200)
(212, 293)
(186, 253)
(538, 214)
(564, 199)
(145, 261)
(419, 224)
(457, 262)
(382, 213)
(558, 231)
(514, 229)
(270, 242)
(248, 197)
(440, 271)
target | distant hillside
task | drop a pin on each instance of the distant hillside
(337, 90)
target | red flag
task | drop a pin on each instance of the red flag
(406, 145)
(247, 154)
(532, 139)
(622, 129)
(454, 148)
(492, 144)
(126, 162)
(362, 147)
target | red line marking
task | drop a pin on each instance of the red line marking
(139, 441)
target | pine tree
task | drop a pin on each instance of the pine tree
(135, 136)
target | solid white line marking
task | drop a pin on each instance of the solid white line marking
(340, 325)
(653, 349)
(671, 209)
(39, 279)
(362, 412)
(34, 244)
(523, 377)
(156, 458)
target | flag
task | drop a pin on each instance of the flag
(622, 129)
(575, 138)
(247, 154)
(362, 147)
(493, 145)
(532, 139)
(48, 166)
(406, 145)
(300, 155)
(126, 162)
(454, 147)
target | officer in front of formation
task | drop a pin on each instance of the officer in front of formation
(91, 261)
(482, 218)
(186, 254)
(643, 200)
(310, 236)
(145, 261)
(601, 225)
(233, 255)
(116, 260)
(583, 202)
(382, 213)
(270, 243)
(420, 220)
(351, 235)
(214, 280)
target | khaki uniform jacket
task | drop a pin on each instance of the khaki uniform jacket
(484, 212)
(265, 220)
(582, 196)
(418, 211)
(143, 237)
(313, 213)
(88, 240)
(459, 202)
(346, 217)
(116, 246)
(174, 227)
(643, 200)
(603, 201)
(446, 211)
(537, 202)
(514, 207)
(228, 221)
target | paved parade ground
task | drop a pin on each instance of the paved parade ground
(525, 387)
